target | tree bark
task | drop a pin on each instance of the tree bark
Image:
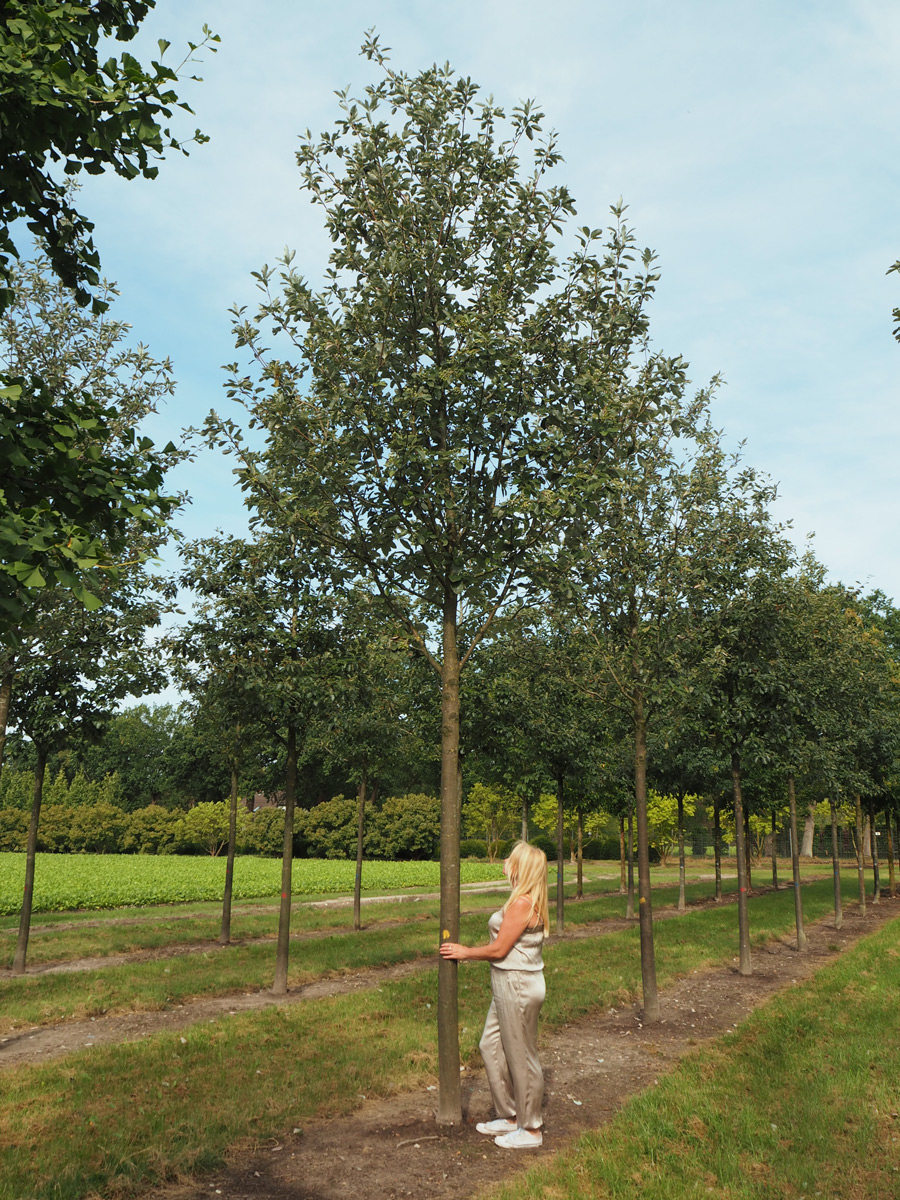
(802, 939)
(279, 987)
(836, 868)
(876, 868)
(892, 878)
(7, 672)
(681, 872)
(449, 1098)
(579, 891)
(623, 868)
(717, 843)
(560, 859)
(809, 833)
(774, 853)
(18, 967)
(645, 907)
(225, 933)
(525, 814)
(745, 966)
(360, 831)
(747, 845)
(629, 904)
(860, 859)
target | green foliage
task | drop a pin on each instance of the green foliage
(263, 833)
(151, 830)
(662, 821)
(13, 828)
(63, 104)
(494, 811)
(16, 788)
(407, 827)
(205, 828)
(64, 881)
(473, 848)
(329, 829)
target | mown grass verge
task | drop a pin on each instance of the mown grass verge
(121, 1117)
(146, 986)
(801, 1101)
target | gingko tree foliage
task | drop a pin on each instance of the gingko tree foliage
(445, 406)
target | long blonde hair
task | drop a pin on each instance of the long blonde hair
(527, 869)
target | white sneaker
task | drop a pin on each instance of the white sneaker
(520, 1139)
(500, 1125)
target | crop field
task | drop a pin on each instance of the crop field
(73, 881)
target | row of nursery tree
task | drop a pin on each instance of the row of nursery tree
(492, 529)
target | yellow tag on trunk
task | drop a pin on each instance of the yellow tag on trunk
(445, 934)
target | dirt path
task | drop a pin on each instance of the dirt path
(392, 1148)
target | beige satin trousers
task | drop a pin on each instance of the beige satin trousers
(509, 1046)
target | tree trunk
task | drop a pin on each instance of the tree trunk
(579, 892)
(681, 872)
(774, 852)
(645, 907)
(717, 843)
(836, 868)
(623, 867)
(892, 878)
(279, 987)
(867, 837)
(560, 861)
(7, 671)
(745, 966)
(747, 848)
(802, 940)
(809, 833)
(18, 967)
(360, 831)
(876, 869)
(860, 859)
(225, 933)
(525, 814)
(449, 1098)
(629, 904)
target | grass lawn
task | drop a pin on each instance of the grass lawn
(125, 1116)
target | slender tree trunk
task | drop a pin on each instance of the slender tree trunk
(579, 893)
(560, 858)
(449, 1098)
(18, 967)
(645, 907)
(892, 878)
(623, 867)
(525, 814)
(717, 843)
(809, 833)
(836, 868)
(681, 871)
(279, 987)
(747, 850)
(774, 852)
(629, 904)
(860, 859)
(225, 932)
(360, 831)
(745, 966)
(802, 939)
(7, 671)
(876, 869)
(867, 837)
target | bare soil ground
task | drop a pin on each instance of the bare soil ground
(393, 1148)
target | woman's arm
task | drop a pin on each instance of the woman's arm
(514, 923)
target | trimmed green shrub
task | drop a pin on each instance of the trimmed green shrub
(473, 848)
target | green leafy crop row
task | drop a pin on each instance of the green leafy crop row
(68, 881)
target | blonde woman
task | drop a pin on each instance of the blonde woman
(509, 1042)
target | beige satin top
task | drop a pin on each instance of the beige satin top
(525, 954)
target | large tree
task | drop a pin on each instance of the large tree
(444, 409)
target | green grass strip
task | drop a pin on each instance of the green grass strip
(124, 1117)
(801, 1101)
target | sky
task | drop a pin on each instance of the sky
(754, 144)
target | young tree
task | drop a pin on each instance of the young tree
(446, 409)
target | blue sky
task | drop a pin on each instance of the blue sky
(755, 145)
